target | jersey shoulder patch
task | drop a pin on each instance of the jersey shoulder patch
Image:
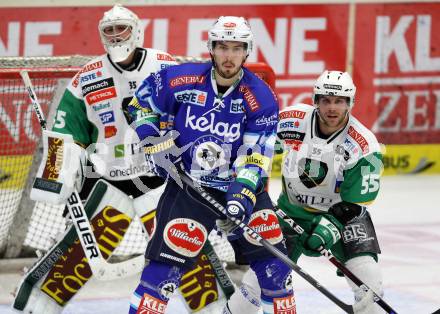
(293, 122)
(89, 72)
(361, 138)
(256, 92)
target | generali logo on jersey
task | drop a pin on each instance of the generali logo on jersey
(87, 68)
(185, 236)
(164, 57)
(250, 98)
(187, 79)
(359, 139)
(292, 114)
(265, 222)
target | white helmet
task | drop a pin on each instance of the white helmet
(231, 28)
(334, 83)
(118, 48)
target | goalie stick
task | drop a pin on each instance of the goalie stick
(101, 269)
(255, 235)
(299, 230)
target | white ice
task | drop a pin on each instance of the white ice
(407, 220)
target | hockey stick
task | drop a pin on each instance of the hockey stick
(299, 230)
(102, 269)
(256, 236)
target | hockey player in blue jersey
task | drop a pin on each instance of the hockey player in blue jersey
(221, 119)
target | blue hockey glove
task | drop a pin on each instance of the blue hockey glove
(163, 154)
(325, 233)
(240, 202)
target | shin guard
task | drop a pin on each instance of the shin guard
(275, 281)
(158, 283)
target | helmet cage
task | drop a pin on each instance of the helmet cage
(118, 47)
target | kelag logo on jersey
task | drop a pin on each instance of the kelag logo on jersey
(107, 117)
(191, 96)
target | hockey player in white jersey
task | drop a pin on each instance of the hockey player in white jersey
(330, 174)
(91, 118)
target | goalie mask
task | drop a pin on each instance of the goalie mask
(231, 28)
(334, 83)
(121, 32)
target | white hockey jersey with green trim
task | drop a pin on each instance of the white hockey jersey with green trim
(318, 173)
(91, 109)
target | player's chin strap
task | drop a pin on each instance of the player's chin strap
(217, 207)
(371, 295)
(101, 269)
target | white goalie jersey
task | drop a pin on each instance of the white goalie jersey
(91, 111)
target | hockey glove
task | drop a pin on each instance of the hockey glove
(240, 202)
(346, 211)
(325, 233)
(162, 153)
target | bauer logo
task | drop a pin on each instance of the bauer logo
(107, 117)
(265, 222)
(185, 236)
(191, 96)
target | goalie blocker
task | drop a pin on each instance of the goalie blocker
(61, 170)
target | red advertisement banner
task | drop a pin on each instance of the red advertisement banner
(396, 51)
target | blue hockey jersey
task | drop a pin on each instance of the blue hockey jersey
(220, 132)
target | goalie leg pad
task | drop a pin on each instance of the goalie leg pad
(247, 298)
(158, 282)
(275, 279)
(367, 270)
(41, 303)
(112, 213)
